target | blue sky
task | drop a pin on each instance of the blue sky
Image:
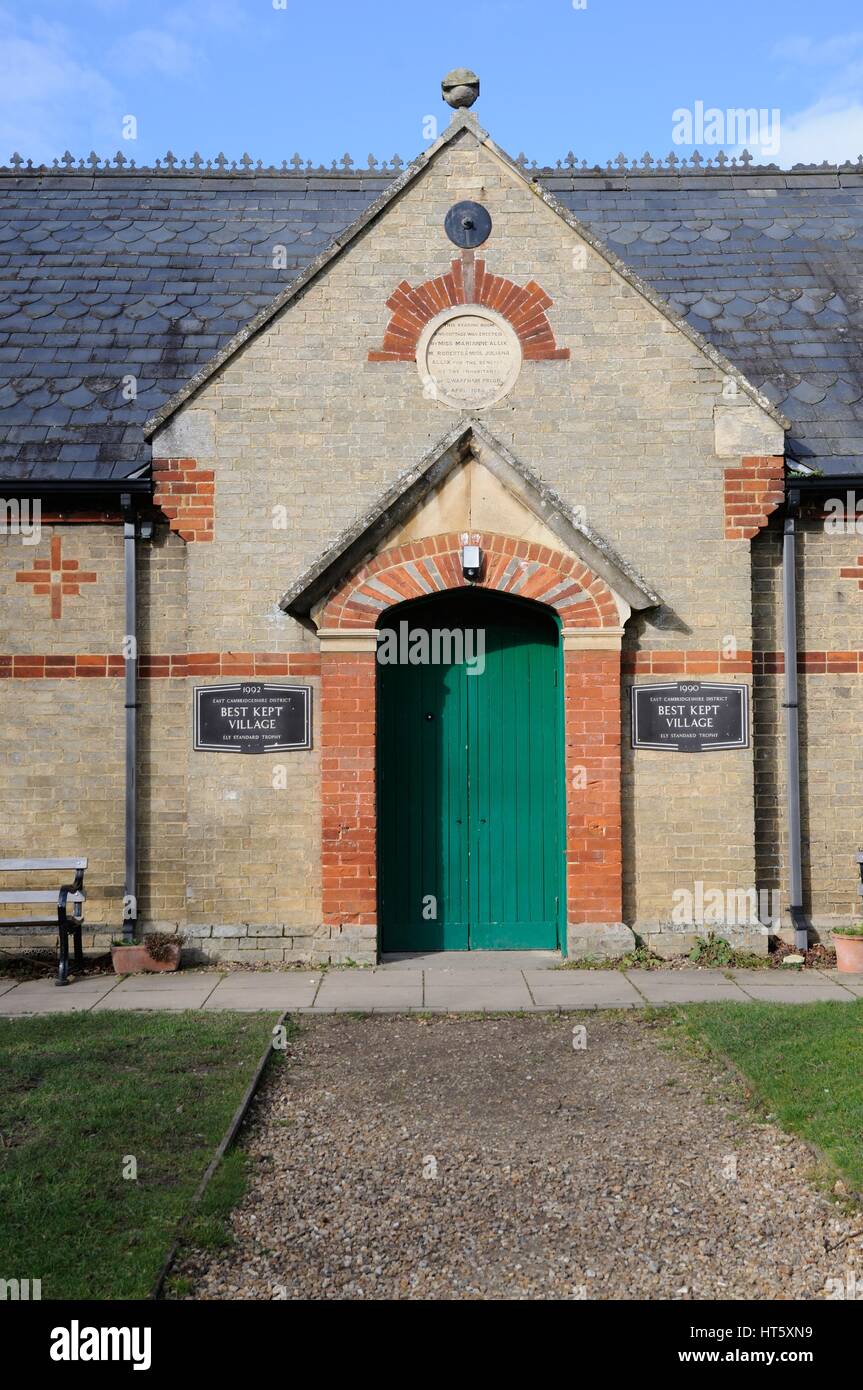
(324, 78)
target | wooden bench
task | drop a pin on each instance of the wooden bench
(67, 894)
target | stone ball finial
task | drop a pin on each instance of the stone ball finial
(460, 87)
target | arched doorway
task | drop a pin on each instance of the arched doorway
(470, 781)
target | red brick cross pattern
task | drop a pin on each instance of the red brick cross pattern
(56, 577)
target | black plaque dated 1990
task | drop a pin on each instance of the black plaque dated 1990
(252, 717)
(690, 716)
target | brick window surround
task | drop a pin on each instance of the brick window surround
(469, 282)
(591, 640)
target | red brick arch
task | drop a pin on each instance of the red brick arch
(523, 307)
(592, 720)
(579, 597)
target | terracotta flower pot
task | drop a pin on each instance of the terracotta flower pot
(136, 960)
(849, 953)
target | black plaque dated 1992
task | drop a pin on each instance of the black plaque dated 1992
(252, 717)
(690, 716)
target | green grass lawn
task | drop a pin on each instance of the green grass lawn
(79, 1095)
(805, 1063)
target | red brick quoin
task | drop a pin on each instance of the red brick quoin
(592, 717)
(752, 491)
(594, 833)
(522, 306)
(186, 495)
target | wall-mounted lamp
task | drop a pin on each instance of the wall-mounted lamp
(471, 562)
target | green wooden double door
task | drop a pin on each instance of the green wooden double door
(470, 784)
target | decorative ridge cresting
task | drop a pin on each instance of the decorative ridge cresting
(196, 164)
(220, 165)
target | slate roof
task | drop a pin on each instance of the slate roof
(770, 270)
(115, 273)
(106, 276)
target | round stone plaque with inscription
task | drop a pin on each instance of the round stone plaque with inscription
(468, 357)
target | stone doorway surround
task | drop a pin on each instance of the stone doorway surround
(591, 637)
(557, 561)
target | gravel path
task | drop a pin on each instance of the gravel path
(396, 1157)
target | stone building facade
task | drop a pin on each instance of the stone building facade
(299, 462)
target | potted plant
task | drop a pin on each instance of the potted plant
(849, 949)
(158, 951)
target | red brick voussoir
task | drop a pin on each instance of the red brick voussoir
(580, 598)
(523, 306)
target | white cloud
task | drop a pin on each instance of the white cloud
(209, 14)
(176, 48)
(50, 100)
(836, 52)
(153, 50)
(53, 97)
(831, 126)
(831, 129)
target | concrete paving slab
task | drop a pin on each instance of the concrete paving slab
(555, 978)
(174, 983)
(795, 979)
(43, 997)
(683, 987)
(274, 992)
(465, 962)
(264, 979)
(582, 989)
(14, 1007)
(252, 1004)
(478, 991)
(846, 980)
(786, 994)
(84, 984)
(170, 1003)
(90, 985)
(370, 989)
(710, 976)
(193, 996)
(446, 982)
